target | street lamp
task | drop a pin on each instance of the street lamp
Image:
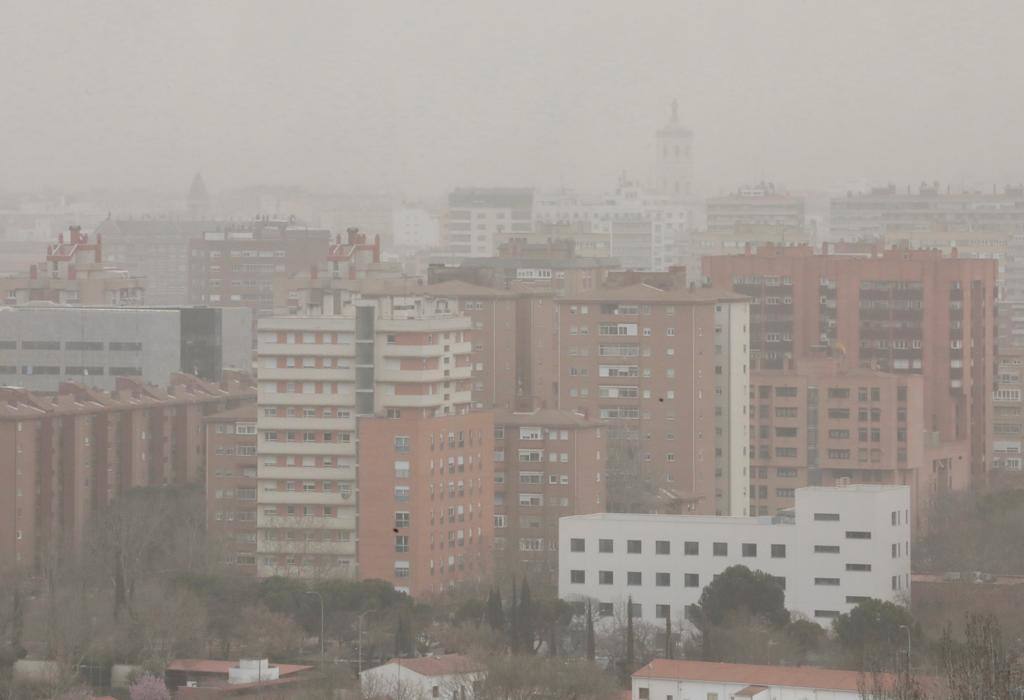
(907, 629)
(318, 595)
(359, 639)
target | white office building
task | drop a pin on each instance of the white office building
(838, 547)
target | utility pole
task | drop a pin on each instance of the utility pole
(359, 639)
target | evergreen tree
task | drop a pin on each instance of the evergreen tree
(513, 617)
(527, 619)
(630, 661)
(591, 646)
(495, 613)
(670, 647)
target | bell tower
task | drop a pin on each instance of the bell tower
(673, 171)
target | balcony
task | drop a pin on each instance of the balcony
(303, 498)
(410, 375)
(302, 547)
(413, 400)
(301, 349)
(307, 374)
(297, 399)
(282, 447)
(411, 350)
(303, 423)
(344, 520)
(346, 473)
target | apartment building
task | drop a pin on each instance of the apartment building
(757, 209)
(42, 346)
(880, 311)
(231, 486)
(479, 219)
(1008, 411)
(837, 548)
(548, 464)
(882, 211)
(667, 371)
(74, 272)
(237, 266)
(370, 357)
(66, 456)
(156, 250)
(824, 423)
(426, 517)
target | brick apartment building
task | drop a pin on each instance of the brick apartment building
(426, 495)
(231, 486)
(548, 464)
(667, 371)
(901, 311)
(389, 357)
(67, 455)
(237, 266)
(74, 272)
(823, 423)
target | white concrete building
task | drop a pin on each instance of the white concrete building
(839, 547)
(480, 219)
(665, 679)
(415, 228)
(450, 677)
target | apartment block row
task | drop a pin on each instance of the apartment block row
(838, 547)
(64, 456)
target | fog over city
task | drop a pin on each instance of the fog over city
(522, 350)
(419, 97)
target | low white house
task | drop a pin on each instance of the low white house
(837, 548)
(450, 677)
(664, 679)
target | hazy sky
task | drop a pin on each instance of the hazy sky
(423, 95)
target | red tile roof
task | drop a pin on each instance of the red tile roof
(445, 665)
(752, 674)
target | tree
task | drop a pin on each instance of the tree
(495, 613)
(527, 620)
(590, 632)
(873, 632)
(980, 666)
(148, 687)
(268, 635)
(629, 663)
(670, 647)
(739, 589)
(517, 677)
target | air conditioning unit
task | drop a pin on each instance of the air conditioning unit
(192, 684)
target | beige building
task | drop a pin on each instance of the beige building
(389, 356)
(73, 273)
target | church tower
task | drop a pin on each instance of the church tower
(673, 171)
(198, 198)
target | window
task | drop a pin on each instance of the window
(826, 582)
(826, 613)
(577, 544)
(858, 567)
(691, 580)
(827, 516)
(662, 578)
(401, 493)
(605, 546)
(644, 693)
(401, 469)
(401, 443)
(577, 576)
(778, 551)
(749, 549)
(633, 547)
(401, 519)
(662, 547)
(720, 549)
(634, 578)
(691, 549)
(858, 535)
(605, 578)
(826, 549)
(662, 611)
(401, 543)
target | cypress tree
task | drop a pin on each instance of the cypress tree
(669, 646)
(591, 646)
(630, 660)
(527, 618)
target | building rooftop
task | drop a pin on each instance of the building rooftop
(445, 665)
(494, 197)
(543, 417)
(650, 294)
(246, 412)
(754, 675)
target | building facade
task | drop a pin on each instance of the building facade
(880, 311)
(548, 464)
(654, 365)
(823, 423)
(68, 455)
(74, 272)
(42, 346)
(479, 220)
(839, 547)
(231, 486)
(426, 496)
(387, 357)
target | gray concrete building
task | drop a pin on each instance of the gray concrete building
(43, 344)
